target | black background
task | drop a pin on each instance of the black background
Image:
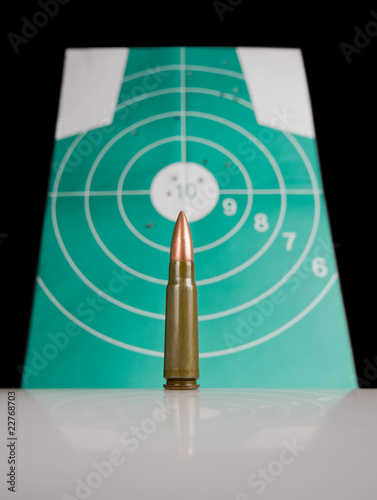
(345, 113)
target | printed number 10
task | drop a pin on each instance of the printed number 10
(190, 190)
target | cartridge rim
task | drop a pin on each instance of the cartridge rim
(181, 384)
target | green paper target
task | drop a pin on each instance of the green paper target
(270, 306)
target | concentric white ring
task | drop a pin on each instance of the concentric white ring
(304, 250)
(160, 316)
(209, 143)
(210, 354)
(214, 279)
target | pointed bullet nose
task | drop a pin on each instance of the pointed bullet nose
(181, 243)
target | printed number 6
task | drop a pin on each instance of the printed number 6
(319, 267)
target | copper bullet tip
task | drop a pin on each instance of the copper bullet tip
(181, 243)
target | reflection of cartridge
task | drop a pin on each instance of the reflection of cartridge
(181, 362)
(184, 420)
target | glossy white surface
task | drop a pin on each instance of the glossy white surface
(208, 444)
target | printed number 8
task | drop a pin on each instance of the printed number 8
(261, 223)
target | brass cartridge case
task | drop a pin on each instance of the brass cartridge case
(181, 361)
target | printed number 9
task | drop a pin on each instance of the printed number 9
(319, 267)
(229, 206)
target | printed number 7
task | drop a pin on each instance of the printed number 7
(291, 238)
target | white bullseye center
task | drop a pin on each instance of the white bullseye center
(184, 186)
